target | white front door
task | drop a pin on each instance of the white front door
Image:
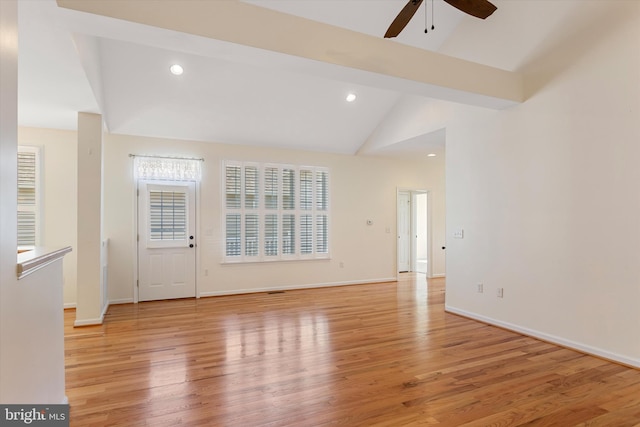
(166, 240)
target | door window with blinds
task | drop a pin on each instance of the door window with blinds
(167, 216)
(275, 212)
(28, 196)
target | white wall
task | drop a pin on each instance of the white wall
(89, 305)
(8, 190)
(438, 211)
(548, 196)
(58, 149)
(31, 324)
(362, 188)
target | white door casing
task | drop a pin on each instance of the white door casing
(419, 224)
(413, 228)
(166, 240)
(404, 231)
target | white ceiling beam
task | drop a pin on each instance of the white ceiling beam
(375, 61)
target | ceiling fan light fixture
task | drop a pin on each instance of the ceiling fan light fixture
(479, 8)
(351, 97)
(176, 70)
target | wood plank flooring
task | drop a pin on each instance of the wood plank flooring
(367, 355)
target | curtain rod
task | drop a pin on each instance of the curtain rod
(167, 157)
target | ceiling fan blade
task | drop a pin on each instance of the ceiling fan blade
(478, 8)
(403, 18)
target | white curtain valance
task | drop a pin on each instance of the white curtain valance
(170, 169)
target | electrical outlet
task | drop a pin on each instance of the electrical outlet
(480, 288)
(500, 292)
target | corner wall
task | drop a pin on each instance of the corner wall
(31, 323)
(548, 194)
(8, 191)
(90, 307)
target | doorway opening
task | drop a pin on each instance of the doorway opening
(414, 236)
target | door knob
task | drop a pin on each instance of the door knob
(191, 245)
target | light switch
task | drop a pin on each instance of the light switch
(458, 233)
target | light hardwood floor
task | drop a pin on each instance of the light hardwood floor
(380, 354)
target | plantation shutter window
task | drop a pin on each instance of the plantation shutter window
(322, 234)
(306, 190)
(26, 229)
(275, 212)
(251, 234)
(233, 236)
(288, 189)
(322, 191)
(167, 215)
(28, 196)
(306, 234)
(322, 207)
(251, 187)
(232, 181)
(271, 235)
(167, 222)
(288, 234)
(271, 197)
(271, 188)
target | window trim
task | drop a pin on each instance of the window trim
(263, 212)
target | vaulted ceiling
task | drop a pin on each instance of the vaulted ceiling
(276, 72)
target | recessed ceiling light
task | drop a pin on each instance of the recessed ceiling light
(431, 155)
(351, 97)
(176, 70)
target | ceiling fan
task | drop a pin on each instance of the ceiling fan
(478, 8)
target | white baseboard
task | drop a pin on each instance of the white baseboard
(104, 310)
(65, 401)
(121, 301)
(436, 276)
(594, 351)
(88, 322)
(294, 287)
(69, 305)
(271, 289)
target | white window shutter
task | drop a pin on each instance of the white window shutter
(275, 212)
(233, 232)
(167, 215)
(28, 208)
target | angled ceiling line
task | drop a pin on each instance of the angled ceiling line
(429, 73)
